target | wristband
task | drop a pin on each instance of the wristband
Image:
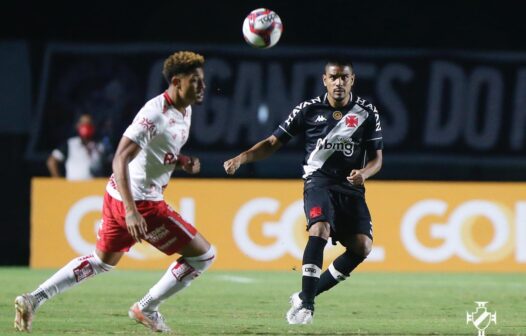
(183, 160)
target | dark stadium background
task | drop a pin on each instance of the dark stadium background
(441, 26)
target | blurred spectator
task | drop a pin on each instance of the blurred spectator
(83, 157)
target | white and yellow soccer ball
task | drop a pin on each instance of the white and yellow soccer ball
(262, 28)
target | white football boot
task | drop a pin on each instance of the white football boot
(303, 316)
(25, 306)
(153, 320)
(297, 314)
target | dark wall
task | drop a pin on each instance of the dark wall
(463, 24)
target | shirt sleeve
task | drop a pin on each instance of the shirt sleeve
(60, 153)
(373, 134)
(291, 127)
(145, 127)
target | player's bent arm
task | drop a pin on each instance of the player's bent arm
(259, 151)
(52, 165)
(126, 151)
(374, 165)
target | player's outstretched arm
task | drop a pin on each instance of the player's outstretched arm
(373, 166)
(126, 151)
(259, 151)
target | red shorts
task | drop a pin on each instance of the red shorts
(167, 230)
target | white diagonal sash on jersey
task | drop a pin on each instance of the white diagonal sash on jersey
(319, 155)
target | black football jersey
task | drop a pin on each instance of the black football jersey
(337, 140)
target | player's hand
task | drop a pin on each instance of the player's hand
(232, 165)
(191, 165)
(357, 177)
(136, 225)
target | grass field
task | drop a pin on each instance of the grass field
(254, 303)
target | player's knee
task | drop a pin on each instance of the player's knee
(362, 249)
(320, 229)
(361, 245)
(202, 262)
(109, 258)
(185, 269)
(98, 265)
(87, 266)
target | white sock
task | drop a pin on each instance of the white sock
(178, 276)
(73, 273)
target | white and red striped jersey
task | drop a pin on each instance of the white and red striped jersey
(161, 131)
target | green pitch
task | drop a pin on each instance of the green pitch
(254, 303)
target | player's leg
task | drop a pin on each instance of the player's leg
(195, 258)
(313, 262)
(112, 241)
(76, 271)
(358, 247)
(197, 255)
(319, 212)
(302, 303)
(354, 231)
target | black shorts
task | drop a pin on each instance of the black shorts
(347, 214)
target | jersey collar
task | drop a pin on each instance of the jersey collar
(326, 101)
(168, 102)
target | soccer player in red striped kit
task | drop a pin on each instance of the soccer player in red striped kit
(134, 208)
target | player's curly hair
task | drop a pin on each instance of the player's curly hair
(181, 62)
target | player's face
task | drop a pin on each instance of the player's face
(192, 86)
(339, 81)
(85, 119)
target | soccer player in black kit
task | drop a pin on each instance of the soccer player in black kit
(343, 145)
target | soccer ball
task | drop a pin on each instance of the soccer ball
(262, 28)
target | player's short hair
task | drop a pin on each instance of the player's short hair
(341, 61)
(181, 62)
(84, 115)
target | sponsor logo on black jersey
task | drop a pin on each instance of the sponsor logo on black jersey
(298, 108)
(341, 145)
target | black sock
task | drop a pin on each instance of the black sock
(341, 268)
(312, 263)
(327, 281)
